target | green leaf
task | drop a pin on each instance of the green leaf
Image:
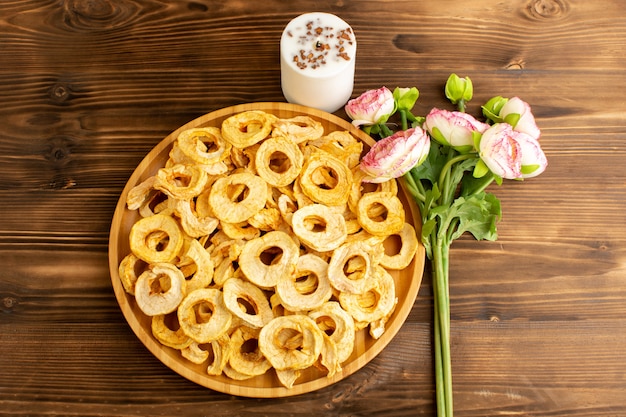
(476, 214)
(432, 166)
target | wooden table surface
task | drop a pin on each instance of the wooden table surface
(88, 87)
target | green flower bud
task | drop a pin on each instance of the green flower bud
(493, 107)
(405, 97)
(459, 90)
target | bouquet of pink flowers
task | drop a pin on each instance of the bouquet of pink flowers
(447, 160)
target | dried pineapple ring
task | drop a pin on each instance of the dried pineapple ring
(278, 161)
(247, 200)
(128, 272)
(291, 342)
(221, 352)
(319, 227)
(381, 213)
(181, 181)
(359, 188)
(204, 266)
(192, 224)
(373, 304)
(204, 146)
(203, 315)
(297, 295)
(298, 129)
(264, 272)
(248, 302)
(243, 360)
(408, 248)
(247, 128)
(342, 145)
(156, 239)
(325, 179)
(169, 334)
(160, 290)
(339, 325)
(140, 193)
(351, 267)
(194, 353)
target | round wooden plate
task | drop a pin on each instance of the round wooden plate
(266, 386)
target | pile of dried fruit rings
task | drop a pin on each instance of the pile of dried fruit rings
(261, 233)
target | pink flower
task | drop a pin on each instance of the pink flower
(534, 161)
(517, 113)
(372, 107)
(453, 128)
(501, 152)
(395, 155)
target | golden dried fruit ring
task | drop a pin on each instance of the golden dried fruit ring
(380, 213)
(244, 360)
(350, 268)
(203, 315)
(278, 161)
(192, 224)
(156, 238)
(291, 342)
(221, 352)
(308, 287)
(160, 290)
(166, 330)
(339, 325)
(319, 227)
(408, 248)
(128, 272)
(203, 274)
(267, 258)
(359, 188)
(238, 197)
(204, 145)
(325, 179)
(181, 181)
(247, 128)
(342, 145)
(140, 193)
(194, 353)
(298, 129)
(373, 304)
(248, 302)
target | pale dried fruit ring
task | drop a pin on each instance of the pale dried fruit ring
(140, 193)
(373, 304)
(247, 128)
(203, 315)
(351, 267)
(181, 181)
(248, 302)
(156, 238)
(221, 352)
(170, 335)
(319, 227)
(265, 259)
(238, 197)
(203, 274)
(160, 290)
(380, 213)
(342, 145)
(298, 129)
(192, 223)
(359, 188)
(325, 179)
(339, 325)
(278, 161)
(291, 342)
(298, 294)
(243, 360)
(408, 248)
(204, 145)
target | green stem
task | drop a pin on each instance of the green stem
(443, 367)
(413, 187)
(444, 175)
(403, 119)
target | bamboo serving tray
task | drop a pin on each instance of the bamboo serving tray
(266, 386)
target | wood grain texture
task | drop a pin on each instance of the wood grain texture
(88, 87)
